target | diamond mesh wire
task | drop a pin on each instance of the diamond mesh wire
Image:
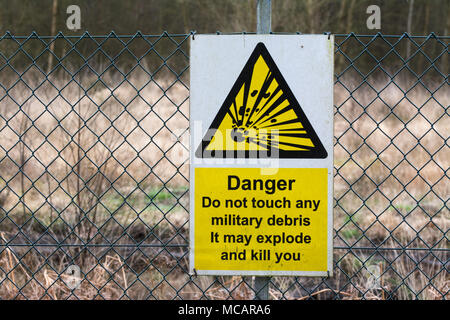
(94, 171)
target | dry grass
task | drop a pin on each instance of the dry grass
(114, 161)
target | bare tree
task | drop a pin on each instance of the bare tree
(350, 16)
(53, 32)
(447, 28)
(311, 9)
(409, 26)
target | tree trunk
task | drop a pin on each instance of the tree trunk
(341, 15)
(52, 32)
(311, 12)
(427, 18)
(426, 23)
(409, 27)
(350, 17)
(446, 30)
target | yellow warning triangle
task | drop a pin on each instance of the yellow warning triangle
(260, 118)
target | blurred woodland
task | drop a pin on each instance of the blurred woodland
(418, 17)
(153, 17)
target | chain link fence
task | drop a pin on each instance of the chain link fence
(94, 178)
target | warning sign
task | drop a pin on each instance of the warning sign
(250, 221)
(261, 114)
(261, 158)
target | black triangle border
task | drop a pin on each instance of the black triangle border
(318, 152)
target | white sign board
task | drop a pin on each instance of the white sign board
(261, 170)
